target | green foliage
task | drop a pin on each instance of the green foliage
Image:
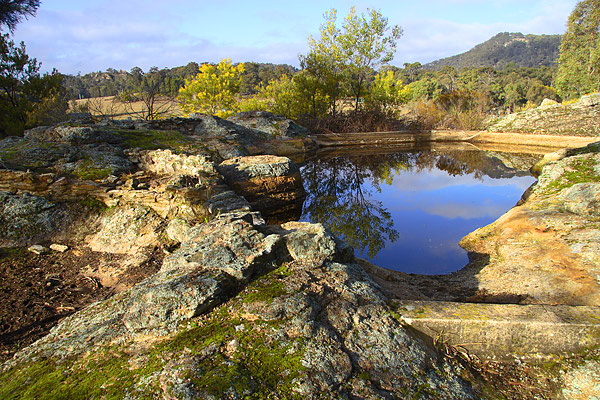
(423, 89)
(387, 93)
(579, 63)
(365, 45)
(343, 59)
(256, 75)
(27, 99)
(12, 12)
(279, 97)
(115, 83)
(213, 90)
(324, 65)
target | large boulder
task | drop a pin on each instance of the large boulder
(310, 327)
(271, 184)
(269, 123)
(576, 119)
(27, 219)
(547, 249)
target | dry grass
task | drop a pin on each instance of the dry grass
(112, 107)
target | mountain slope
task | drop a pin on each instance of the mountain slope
(505, 48)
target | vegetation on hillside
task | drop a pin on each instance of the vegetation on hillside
(504, 49)
(114, 82)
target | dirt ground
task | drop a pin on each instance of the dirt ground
(37, 291)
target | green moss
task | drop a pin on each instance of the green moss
(93, 204)
(261, 365)
(580, 171)
(268, 287)
(154, 139)
(107, 376)
(87, 170)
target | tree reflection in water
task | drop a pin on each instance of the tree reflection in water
(340, 189)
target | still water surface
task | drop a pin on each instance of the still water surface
(407, 210)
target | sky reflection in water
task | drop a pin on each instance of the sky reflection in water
(402, 212)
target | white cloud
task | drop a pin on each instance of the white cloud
(436, 179)
(460, 210)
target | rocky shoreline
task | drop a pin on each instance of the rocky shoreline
(237, 307)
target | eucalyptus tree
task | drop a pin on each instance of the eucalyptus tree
(367, 43)
(579, 62)
(343, 58)
(325, 62)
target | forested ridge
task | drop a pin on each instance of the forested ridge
(506, 48)
(513, 50)
(114, 82)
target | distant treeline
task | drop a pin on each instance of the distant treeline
(113, 82)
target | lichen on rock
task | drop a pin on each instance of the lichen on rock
(292, 326)
(546, 249)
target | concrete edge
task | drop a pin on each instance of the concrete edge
(475, 137)
(505, 331)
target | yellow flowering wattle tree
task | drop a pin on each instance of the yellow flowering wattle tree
(213, 90)
(387, 93)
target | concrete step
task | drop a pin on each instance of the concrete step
(505, 331)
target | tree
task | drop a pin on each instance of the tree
(212, 90)
(324, 62)
(366, 45)
(579, 62)
(346, 57)
(13, 11)
(27, 98)
(279, 97)
(155, 103)
(386, 93)
(412, 71)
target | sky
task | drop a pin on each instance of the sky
(77, 36)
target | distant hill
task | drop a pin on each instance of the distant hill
(506, 48)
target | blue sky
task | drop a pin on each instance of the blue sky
(92, 35)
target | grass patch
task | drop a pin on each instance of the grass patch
(580, 171)
(154, 139)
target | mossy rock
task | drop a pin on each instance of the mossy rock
(223, 353)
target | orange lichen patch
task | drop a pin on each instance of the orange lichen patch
(532, 259)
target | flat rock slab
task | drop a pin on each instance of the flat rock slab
(547, 249)
(506, 330)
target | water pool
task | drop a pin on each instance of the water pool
(407, 209)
